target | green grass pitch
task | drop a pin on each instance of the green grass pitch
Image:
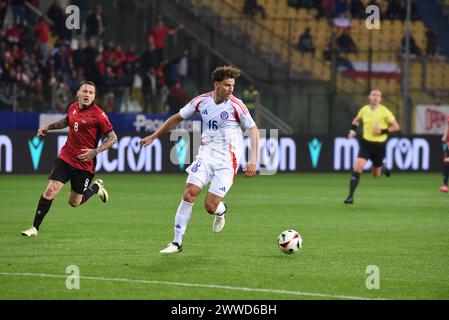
(399, 224)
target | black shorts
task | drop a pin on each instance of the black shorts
(374, 151)
(79, 179)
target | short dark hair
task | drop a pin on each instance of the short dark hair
(225, 72)
(90, 83)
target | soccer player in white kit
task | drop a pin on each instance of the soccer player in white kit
(224, 118)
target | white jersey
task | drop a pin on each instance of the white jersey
(222, 126)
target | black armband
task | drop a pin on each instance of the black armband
(354, 127)
(385, 131)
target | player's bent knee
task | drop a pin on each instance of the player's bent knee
(189, 197)
(210, 207)
(74, 204)
(50, 193)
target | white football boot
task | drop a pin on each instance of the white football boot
(102, 193)
(220, 220)
(31, 232)
(172, 248)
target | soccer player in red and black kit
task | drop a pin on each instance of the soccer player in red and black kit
(76, 161)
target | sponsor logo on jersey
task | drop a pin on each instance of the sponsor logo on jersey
(224, 115)
(204, 112)
(195, 167)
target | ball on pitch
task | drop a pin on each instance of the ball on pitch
(290, 241)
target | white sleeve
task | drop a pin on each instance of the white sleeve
(188, 110)
(246, 121)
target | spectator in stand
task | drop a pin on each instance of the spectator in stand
(149, 58)
(171, 74)
(14, 35)
(357, 9)
(56, 14)
(305, 42)
(108, 52)
(31, 16)
(394, 9)
(63, 57)
(414, 11)
(342, 9)
(431, 36)
(43, 30)
(118, 59)
(252, 8)
(414, 49)
(182, 66)
(149, 91)
(18, 11)
(6, 98)
(79, 56)
(3, 10)
(132, 58)
(176, 98)
(328, 7)
(95, 26)
(345, 43)
(62, 97)
(157, 37)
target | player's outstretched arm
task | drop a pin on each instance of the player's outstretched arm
(355, 124)
(89, 154)
(171, 123)
(61, 124)
(250, 170)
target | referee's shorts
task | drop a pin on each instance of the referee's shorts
(374, 151)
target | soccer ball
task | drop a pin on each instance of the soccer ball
(290, 241)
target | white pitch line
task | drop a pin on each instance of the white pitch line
(196, 285)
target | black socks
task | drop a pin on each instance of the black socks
(42, 209)
(93, 189)
(355, 178)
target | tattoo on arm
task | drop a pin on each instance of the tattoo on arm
(111, 139)
(61, 124)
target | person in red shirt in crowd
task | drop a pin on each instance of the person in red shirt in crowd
(108, 51)
(131, 56)
(76, 161)
(14, 34)
(43, 30)
(118, 58)
(158, 34)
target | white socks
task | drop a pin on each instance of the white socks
(182, 220)
(220, 209)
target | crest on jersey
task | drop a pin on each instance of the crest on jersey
(224, 115)
(196, 166)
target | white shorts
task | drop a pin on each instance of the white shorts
(221, 177)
